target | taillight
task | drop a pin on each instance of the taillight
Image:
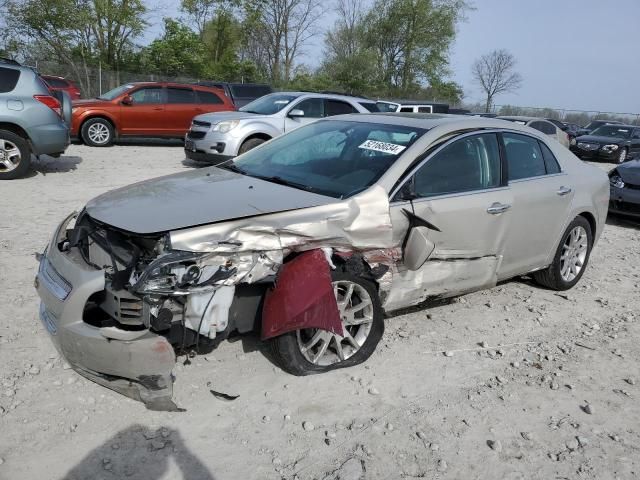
(50, 102)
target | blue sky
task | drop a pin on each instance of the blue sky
(573, 54)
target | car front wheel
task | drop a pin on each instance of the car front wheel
(15, 156)
(571, 258)
(312, 350)
(97, 132)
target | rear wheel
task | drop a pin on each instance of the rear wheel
(15, 155)
(97, 132)
(312, 350)
(250, 144)
(571, 257)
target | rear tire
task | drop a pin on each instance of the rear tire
(287, 348)
(15, 155)
(97, 132)
(571, 258)
(250, 144)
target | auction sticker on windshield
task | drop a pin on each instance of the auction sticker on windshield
(383, 147)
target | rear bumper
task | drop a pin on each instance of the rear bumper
(49, 139)
(140, 367)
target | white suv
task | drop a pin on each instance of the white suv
(217, 137)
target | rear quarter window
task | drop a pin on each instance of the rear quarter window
(250, 91)
(8, 79)
(209, 98)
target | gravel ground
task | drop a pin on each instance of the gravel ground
(535, 384)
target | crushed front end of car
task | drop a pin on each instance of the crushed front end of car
(119, 305)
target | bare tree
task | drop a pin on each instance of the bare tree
(494, 72)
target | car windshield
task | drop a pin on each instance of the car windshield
(332, 157)
(116, 92)
(269, 104)
(612, 131)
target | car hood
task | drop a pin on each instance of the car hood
(197, 197)
(601, 140)
(630, 172)
(89, 102)
(218, 117)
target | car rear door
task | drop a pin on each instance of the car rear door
(542, 196)
(180, 109)
(460, 192)
(145, 115)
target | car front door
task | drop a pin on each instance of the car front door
(542, 196)
(180, 109)
(145, 114)
(634, 149)
(312, 109)
(459, 191)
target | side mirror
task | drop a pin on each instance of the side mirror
(127, 100)
(418, 248)
(296, 113)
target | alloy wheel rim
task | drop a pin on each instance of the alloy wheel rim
(574, 254)
(98, 133)
(623, 156)
(10, 156)
(355, 305)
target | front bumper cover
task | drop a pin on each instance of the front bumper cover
(140, 368)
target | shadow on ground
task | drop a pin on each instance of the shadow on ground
(141, 453)
(46, 165)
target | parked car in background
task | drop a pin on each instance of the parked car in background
(217, 137)
(483, 114)
(241, 93)
(572, 130)
(612, 143)
(596, 124)
(32, 120)
(57, 84)
(415, 106)
(541, 125)
(311, 239)
(625, 189)
(145, 109)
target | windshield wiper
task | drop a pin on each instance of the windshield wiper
(229, 165)
(282, 181)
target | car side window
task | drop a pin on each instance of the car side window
(424, 110)
(636, 133)
(544, 127)
(524, 156)
(208, 97)
(336, 107)
(406, 109)
(147, 95)
(312, 107)
(550, 162)
(8, 79)
(180, 95)
(471, 163)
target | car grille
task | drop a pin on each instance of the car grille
(198, 123)
(196, 135)
(626, 207)
(631, 186)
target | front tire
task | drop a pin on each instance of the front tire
(15, 156)
(571, 258)
(250, 145)
(97, 132)
(310, 351)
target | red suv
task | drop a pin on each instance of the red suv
(149, 109)
(59, 84)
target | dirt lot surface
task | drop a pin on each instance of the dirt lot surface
(534, 385)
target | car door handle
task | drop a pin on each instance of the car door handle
(497, 208)
(158, 108)
(564, 191)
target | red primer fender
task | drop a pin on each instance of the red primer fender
(302, 298)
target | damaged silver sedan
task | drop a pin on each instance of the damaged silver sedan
(310, 239)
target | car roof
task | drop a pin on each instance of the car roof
(416, 102)
(620, 125)
(521, 118)
(328, 95)
(426, 121)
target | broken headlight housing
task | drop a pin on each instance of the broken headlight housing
(615, 180)
(176, 272)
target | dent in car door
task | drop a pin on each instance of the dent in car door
(542, 196)
(459, 191)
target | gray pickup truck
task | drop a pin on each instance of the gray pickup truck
(33, 120)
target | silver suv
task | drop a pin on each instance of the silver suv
(32, 119)
(217, 137)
